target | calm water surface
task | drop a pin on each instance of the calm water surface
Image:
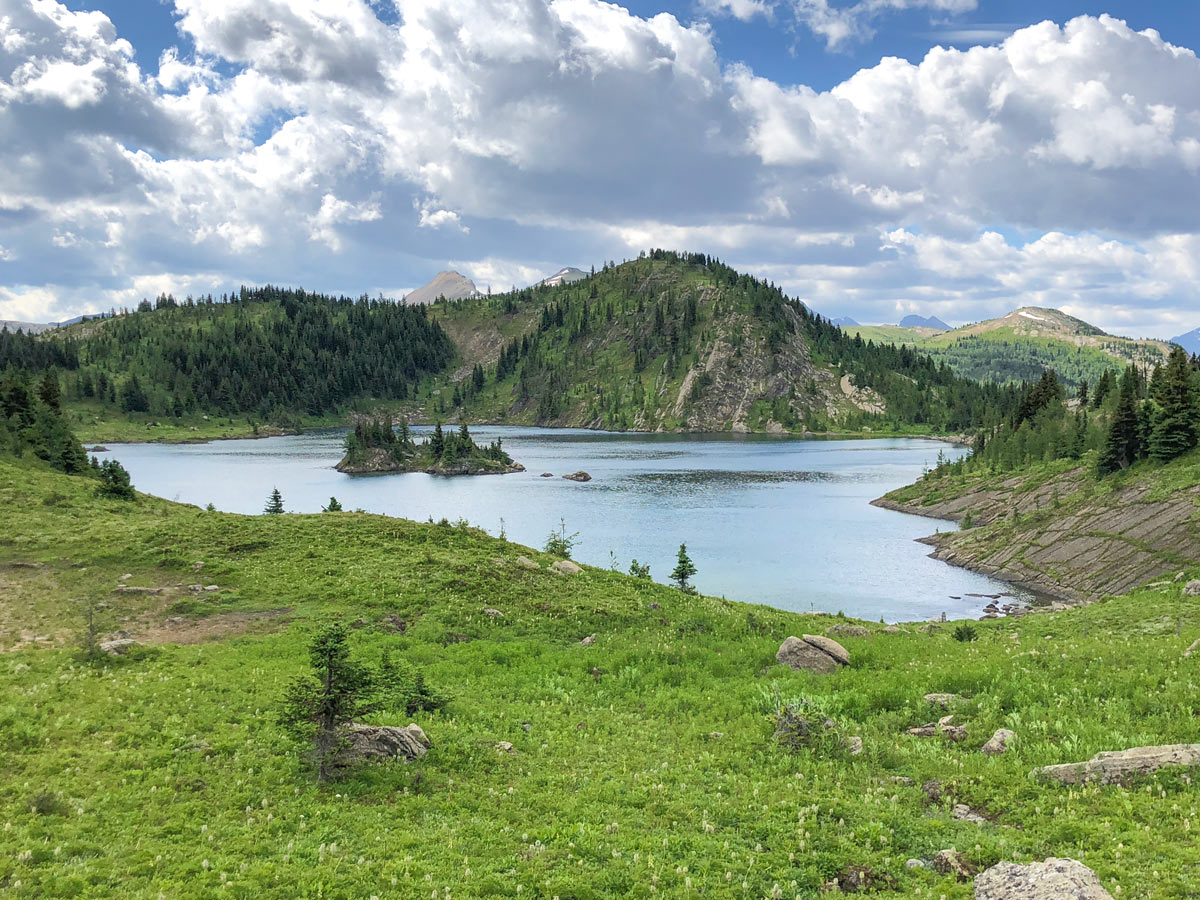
(768, 520)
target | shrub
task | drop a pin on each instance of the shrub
(965, 633)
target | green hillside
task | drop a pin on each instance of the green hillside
(1021, 345)
(643, 765)
(682, 342)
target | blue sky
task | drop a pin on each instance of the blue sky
(1047, 155)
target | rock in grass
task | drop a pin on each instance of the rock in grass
(951, 862)
(1116, 766)
(893, 629)
(382, 742)
(492, 613)
(812, 653)
(1195, 648)
(119, 647)
(1192, 589)
(527, 562)
(998, 742)
(964, 813)
(1054, 879)
(854, 746)
(849, 631)
(566, 567)
(589, 640)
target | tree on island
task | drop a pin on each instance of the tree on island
(437, 444)
(274, 503)
(683, 571)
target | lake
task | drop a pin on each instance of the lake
(779, 521)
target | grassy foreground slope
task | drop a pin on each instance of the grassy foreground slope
(648, 767)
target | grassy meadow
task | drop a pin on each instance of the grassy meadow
(642, 765)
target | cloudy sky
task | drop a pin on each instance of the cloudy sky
(873, 157)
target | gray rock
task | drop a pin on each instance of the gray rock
(589, 640)
(1192, 649)
(547, 475)
(492, 613)
(915, 864)
(893, 629)
(849, 631)
(1192, 589)
(830, 646)
(1115, 766)
(998, 742)
(127, 589)
(854, 746)
(1054, 879)
(527, 562)
(504, 747)
(566, 567)
(119, 647)
(382, 742)
(964, 813)
(195, 588)
(578, 476)
(812, 653)
(210, 588)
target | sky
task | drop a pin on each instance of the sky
(874, 158)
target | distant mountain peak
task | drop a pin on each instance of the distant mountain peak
(915, 321)
(565, 275)
(1043, 320)
(448, 284)
(845, 322)
(1189, 342)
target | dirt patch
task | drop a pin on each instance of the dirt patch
(181, 630)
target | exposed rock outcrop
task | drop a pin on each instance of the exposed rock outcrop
(998, 742)
(382, 742)
(566, 567)
(1054, 879)
(813, 653)
(1116, 766)
(119, 647)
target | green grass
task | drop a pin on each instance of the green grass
(166, 775)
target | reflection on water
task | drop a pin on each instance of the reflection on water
(768, 520)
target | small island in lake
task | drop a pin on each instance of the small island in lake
(377, 447)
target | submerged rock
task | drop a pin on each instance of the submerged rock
(578, 476)
(1054, 879)
(1112, 767)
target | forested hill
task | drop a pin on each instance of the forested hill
(270, 352)
(683, 342)
(666, 342)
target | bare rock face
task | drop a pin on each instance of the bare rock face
(566, 567)
(1054, 879)
(1116, 766)
(812, 653)
(998, 742)
(383, 742)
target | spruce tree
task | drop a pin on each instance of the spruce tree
(334, 505)
(1173, 432)
(437, 444)
(1120, 449)
(683, 571)
(274, 503)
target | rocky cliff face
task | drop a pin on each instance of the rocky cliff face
(1065, 535)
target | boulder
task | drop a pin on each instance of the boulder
(119, 647)
(382, 742)
(589, 640)
(578, 476)
(1192, 649)
(998, 742)
(951, 862)
(893, 629)
(964, 813)
(547, 475)
(527, 562)
(566, 567)
(504, 747)
(1054, 879)
(854, 746)
(1192, 589)
(492, 613)
(812, 653)
(849, 631)
(1116, 766)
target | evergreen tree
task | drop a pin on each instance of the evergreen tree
(683, 571)
(1121, 444)
(437, 444)
(319, 706)
(334, 506)
(49, 390)
(114, 481)
(1173, 431)
(274, 503)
